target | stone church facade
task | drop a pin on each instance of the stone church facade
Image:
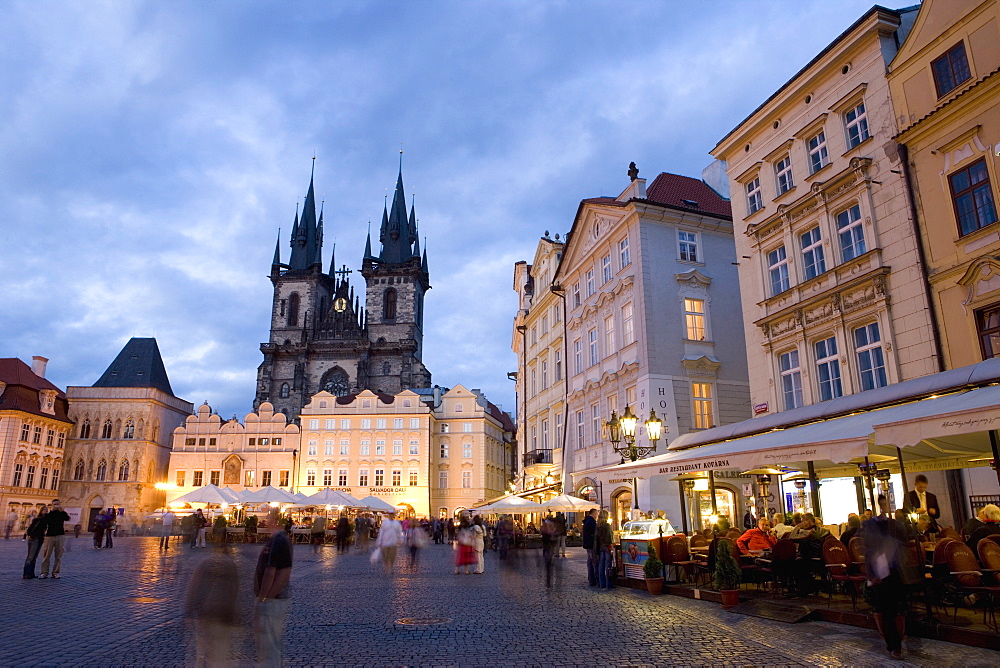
(322, 338)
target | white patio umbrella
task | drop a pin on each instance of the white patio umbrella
(377, 504)
(569, 504)
(270, 494)
(333, 497)
(208, 494)
(511, 504)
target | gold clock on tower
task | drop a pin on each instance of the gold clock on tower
(339, 304)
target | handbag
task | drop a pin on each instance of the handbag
(375, 555)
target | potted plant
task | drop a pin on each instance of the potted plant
(250, 523)
(727, 575)
(653, 570)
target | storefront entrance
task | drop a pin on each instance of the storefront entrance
(725, 502)
(621, 507)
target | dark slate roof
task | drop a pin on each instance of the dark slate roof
(687, 193)
(138, 365)
(21, 393)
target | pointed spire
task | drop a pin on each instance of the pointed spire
(395, 237)
(368, 242)
(276, 262)
(319, 238)
(333, 259)
(412, 223)
(307, 237)
(416, 248)
(423, 262)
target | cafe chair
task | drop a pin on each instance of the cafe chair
(840, 567)
(777, 569)
(968, 585)
(733, 534)
(857, 551)
(989, 557)
(678, 556)
(948, 532)
(697, 540)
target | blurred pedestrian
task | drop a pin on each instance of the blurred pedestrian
(416, 540)
(166, 529)
(343, 534)
(362, 531)
(100, 522)
(110, 526)
(55, 535)
(211, 607)
(505, 535)
(36, 535)
(550, 538)
(465, 545)
(10, 523)
(390, 535)
(200, 523)
(560, 535)
(271, 586)
(479, 536)
(317, 533)
(884, 564)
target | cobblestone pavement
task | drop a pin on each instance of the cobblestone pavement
(124, 607)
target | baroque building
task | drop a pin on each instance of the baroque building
(322, 338)
(120, 446)
(34, 425)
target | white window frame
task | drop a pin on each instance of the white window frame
(856, 124)
(695, 319)
(777, 270)
(578, 355)
(628, 326)
(828, 372)
(819, 157)
(851, 232)
(589, 276)
(755, 200)
(466, 479)
(876, 375)
(703, 405)
(592, 352)
(606, 272)
(790, 370)
(813, 259)
(624, 257)
(580, 433)
(783, 174)
(609, 335)
(687, 245)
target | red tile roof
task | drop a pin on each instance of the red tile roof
(674, 189)
(21, 393)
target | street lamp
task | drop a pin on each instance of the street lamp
(621, 432)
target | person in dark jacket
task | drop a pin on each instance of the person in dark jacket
(604, 544)
(589, 531)
(36, 534)
(991, 525)
(55, 538)
(853, 526)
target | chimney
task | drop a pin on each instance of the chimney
(38, 364)
(437, 396)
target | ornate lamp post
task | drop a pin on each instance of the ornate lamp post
(621, 432)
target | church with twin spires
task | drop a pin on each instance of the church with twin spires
(323, 337)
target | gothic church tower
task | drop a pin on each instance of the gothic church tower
(322, 338)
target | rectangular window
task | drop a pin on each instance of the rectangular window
(44, 478)
(580, 440)
(545, 435)
(545, 374)
(576, 295)
(467, 427)
(199, 477)
(250, 479)
(380, 423)
(988, 329)
(215, 476)
(252, 441)
(694, 319)
(327, 477)
(18, 472)
(25, 431)
(828, 369)
(545, 324)
(754, 200)
(701, 399)
(366, 423)
(310, 477)
(180, 477)
(818, 157)
(556, 316)
(330, 423)
(813, 262)
(445, 428)
(852, 233)
(312, 449)
(366, 448)
(628, 329)
(397, 477)
(263, 441)
(592, 346)
(363, 478)
(624, 259)
(30, 481)
(791, 379)
(605, 269)
(345, 450)
(265, 478)
(783, 172)
(55, 478)
(578, 355)
(559, 431)
(414, 448)
(442, 480)
(777, 266)
(687, 242)
(397, 448)
(973, 197)
(342, 478)
(871, 362)
(36, 437)
(314, 423)
(414, 423)
(414, 481)
(557, 370)
(444, 451)
(534, 381)
(282, 478)
(595, 423)
(345, 423)
(50, 438)
(379, 448)
(609, 335)
(951, 70)
(380, 477)
(62, 439)
(857, 125)
(397, 423)
(590, 282)
(466, 479)
(328, 449)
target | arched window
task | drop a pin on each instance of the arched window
(386, 368)
(284, 390)
(85, 429)
(106, 429)
(129, 430)
(389, 304)
(123, 470)
(293, 310)
(102, 471)
(78, 471)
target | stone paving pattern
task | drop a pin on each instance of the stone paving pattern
(123, 606)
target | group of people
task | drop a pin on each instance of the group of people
(598, 541)
(46, 533)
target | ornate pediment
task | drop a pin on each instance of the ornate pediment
(693, 277)
(703, 365)
(981, 278)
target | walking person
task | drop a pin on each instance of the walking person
(560, 535)
(416, 540)
(343, 533)
(100, 522)
(390, 535)
(884, 544)
(271, 587)
(55, 536)
(36, 535)
(603, 543)
(589, 532)
(479, 534)
(200, 524)
(317, 533)
(362, 532)
(211, 607)
(465, 545)
(505, 535)
(11, 522)
(166, 529)
(110, 526)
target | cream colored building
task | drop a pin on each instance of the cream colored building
(541, 377)
(120, 447)
(834, 295)
(33, 430)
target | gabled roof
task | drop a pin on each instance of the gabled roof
(678, 191)
(21, 392)
(138, 365)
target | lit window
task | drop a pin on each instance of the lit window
(282, 478)
(818, 157)
(828, 369)
(363, 478)
(215, 476)
(379, 477)
(857, 125)
(783, 172)
(791, 379)
(310, 478)
(777, 266)
(265, 479)
(852, 233)
(754, 200)
(179, 479)
(951, 69)
(413, 478)
(251, 477)
(973, 197)
(694, 318)
(342, 478)
(813, 261)
(397, 477)
(327, 477)
(871, 362)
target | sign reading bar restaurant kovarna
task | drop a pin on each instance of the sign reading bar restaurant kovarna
(745, 460)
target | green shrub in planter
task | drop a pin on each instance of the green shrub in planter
(653, 568)
(727, 573)
(250, 523)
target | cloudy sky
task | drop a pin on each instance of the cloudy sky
(149, 152)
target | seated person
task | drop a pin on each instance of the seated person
(805, 528)
(810, 536)
(757, 539)
(973, 524)
(530, 528)
(853, 526)
(990, 515)
(778, 526)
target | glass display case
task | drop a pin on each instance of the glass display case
(635, 538)
(639, 529)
